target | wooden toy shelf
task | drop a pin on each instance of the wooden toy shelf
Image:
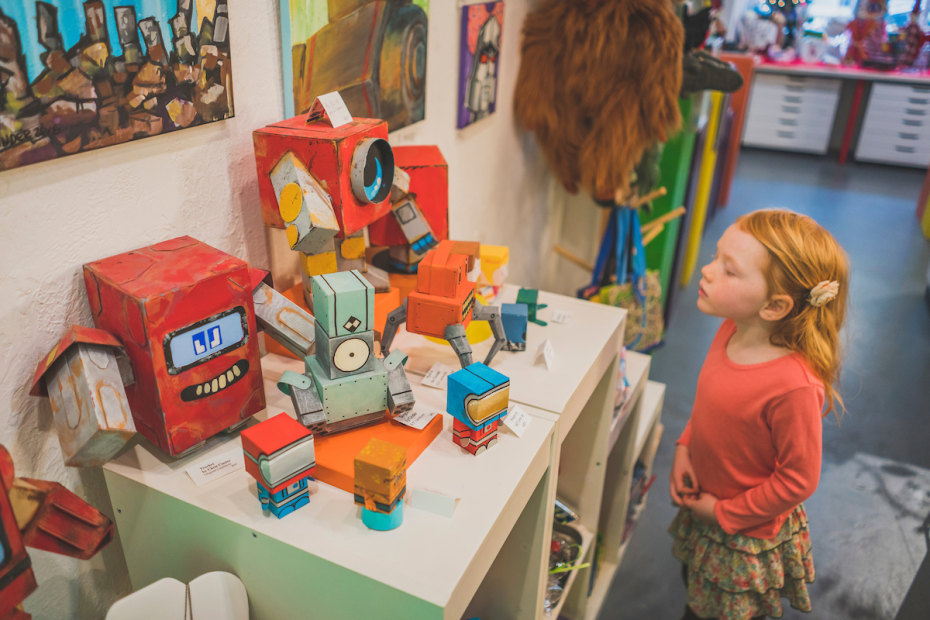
(489, 559)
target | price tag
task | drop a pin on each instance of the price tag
(433, 501)
(561, 316)
(546, 354)
(517, 420)
(217, 466)
(417, 418)
(334, 107)
(437, 375)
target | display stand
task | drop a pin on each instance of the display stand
(488, 560)
(321, 561)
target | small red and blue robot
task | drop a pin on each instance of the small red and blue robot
(279, 454)
(477, 397)
(443, 305)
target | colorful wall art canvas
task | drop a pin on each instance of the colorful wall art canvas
(482, 25)
(372, 51)
(77, 75)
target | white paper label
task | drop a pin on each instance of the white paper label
(335, 109)
(517, 420)
(437, 375)
(417, 418)
(561, 316)
(546, 354)
(216, 467)
(433, 501)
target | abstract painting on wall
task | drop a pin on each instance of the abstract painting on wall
(482, 25)
(77, 75)
(372, 51)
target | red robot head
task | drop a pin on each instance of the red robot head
(185, 316)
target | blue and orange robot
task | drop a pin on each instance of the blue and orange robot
(477, 397)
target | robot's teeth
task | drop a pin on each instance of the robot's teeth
(216, 384)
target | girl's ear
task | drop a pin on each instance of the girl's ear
(777, 307)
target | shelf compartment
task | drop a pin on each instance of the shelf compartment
(568, 592)
(637, 371)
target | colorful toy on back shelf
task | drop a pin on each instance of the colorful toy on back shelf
(868, 37)
(477, 397)
(380, 484)
(443, 305)
(175, 346)
(914, 37)
(279, 455)
(344, 385)
(43, 515)
(420, 208)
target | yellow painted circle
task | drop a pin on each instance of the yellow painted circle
(289, 202)
(291, 232)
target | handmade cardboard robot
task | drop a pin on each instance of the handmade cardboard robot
(477, 397)
(380, 484)
(323, 180)
(279, 454)
(175, 347)
(443, 305)
(43, 515)
(344, 385)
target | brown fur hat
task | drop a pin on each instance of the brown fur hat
(598, 83)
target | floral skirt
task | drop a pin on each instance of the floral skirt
(736, 577)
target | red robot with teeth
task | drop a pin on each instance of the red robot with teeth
(184, 314)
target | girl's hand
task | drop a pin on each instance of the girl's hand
(683, 482)
(702, 506)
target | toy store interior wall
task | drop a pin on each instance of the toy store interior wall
(57, 215)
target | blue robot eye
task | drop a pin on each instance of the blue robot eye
(371, 190)
(372, 172)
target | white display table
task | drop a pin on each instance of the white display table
(489, 559)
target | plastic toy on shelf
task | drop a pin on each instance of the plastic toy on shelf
(344, 385)
(381, 483)
(175, 346)
(477, 398)
(279, 455)
(443, 305)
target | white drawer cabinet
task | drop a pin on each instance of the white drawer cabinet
(793, 113)
(896, 127)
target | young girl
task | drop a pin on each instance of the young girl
(750, 453)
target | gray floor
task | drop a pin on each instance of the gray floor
(874, 492)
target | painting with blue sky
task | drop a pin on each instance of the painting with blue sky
(77, 75)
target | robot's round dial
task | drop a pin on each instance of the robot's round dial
(351, 354)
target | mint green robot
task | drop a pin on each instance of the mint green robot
(343, 384)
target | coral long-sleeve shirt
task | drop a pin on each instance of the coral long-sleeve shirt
(755, 437)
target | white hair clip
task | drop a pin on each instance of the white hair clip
(823, 292)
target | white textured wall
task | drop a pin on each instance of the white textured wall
(58, 215)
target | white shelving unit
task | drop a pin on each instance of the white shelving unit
(490, 559)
